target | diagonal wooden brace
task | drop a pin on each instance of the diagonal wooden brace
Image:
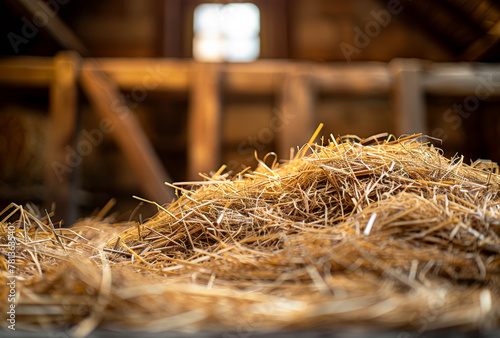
(104, 95)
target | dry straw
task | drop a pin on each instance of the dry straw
(378, 233)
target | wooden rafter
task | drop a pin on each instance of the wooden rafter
(444, 21)
(483, 46)
(56, 27)
(416, 11)
(460, 16)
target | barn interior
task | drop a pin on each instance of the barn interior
(101, 102)
(354, 66)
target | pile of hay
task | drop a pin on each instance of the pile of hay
(386, 235)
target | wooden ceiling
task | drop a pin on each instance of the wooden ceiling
(470, 29)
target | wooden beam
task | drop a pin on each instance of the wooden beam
(150, 74)
(423, 15)
(461, 16)
(364, 78)
(461, 79)
(55, 26)
(479, 48)
(409, 101)
(105, 98)
(204, 120)
(63, 160)
(297, 113)
(262, 77)
(27, 71)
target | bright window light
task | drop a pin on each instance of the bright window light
(226, 32)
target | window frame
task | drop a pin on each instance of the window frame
(178, 27)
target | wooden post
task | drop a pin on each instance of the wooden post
(297, 113)
(204, 120)
(105, 97)
(409, 100)
(62, 159)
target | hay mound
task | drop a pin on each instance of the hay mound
(373, 234)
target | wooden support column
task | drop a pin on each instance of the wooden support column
(409, 99)
(125, 128)
(62, 159)
(204, 120)
(297, 112)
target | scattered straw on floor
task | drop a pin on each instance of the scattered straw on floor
(358, 233)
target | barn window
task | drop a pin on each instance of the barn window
(226, 32)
